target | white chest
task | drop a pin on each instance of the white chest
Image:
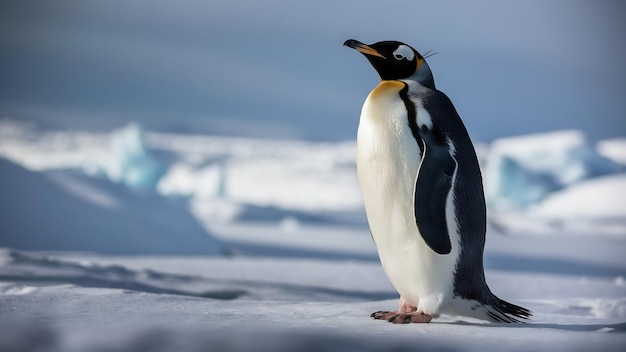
(388, 159)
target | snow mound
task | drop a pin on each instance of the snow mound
(65, 211)
(614, 149)
(294, 175)
(186, 180)
(594, 207)
(602, 198)
(608, 309)
(524, 170)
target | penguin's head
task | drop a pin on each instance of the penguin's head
(395, 60)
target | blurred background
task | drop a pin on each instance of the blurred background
(247, 110)
(278, 69)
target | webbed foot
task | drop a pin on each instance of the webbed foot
(398, 317)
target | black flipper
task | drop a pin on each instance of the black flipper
(433, 184)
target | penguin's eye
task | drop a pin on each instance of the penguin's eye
(404, 52)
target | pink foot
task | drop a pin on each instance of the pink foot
(398, 317)
(406, 313)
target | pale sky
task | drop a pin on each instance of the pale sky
(278, 69)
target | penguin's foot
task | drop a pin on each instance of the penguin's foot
(400, 317)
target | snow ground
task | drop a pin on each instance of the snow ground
(290, 295)
(91, 264)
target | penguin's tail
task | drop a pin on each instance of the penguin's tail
(501, 311)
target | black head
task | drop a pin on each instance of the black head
(395, 60)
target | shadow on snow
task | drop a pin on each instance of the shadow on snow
(54, 271)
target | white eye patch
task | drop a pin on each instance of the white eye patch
(404, 52)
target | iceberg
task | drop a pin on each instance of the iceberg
(127, 161)
(524, 170)
(120, 156)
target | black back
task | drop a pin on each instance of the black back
(469, 198)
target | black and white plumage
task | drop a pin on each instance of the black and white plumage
(423, 193)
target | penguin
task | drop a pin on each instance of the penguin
(423, 193)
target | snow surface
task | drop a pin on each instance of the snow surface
(294, 296)
(248, 244)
